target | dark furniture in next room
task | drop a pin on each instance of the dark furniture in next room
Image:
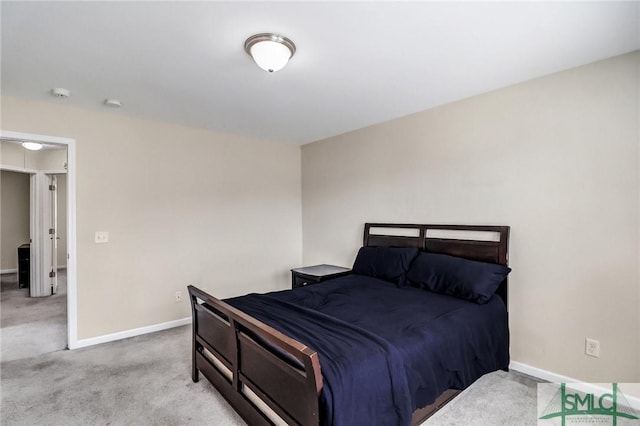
(24, 252)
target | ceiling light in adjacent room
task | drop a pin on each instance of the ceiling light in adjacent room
(32, 146)
(270, 51)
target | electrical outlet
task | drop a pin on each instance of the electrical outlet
(592, 347)
(178, 296)
(101, 237)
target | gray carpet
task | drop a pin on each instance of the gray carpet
(499, 398)
(146, 380)
(31, 326)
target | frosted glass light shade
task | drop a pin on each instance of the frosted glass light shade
(32, 146)
(270, 56)
(271, 52)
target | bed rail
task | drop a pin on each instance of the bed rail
(268, 377)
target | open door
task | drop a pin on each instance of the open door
(44, 235)
(53, 233)
(37, 286)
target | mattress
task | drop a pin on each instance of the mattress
(385, 351)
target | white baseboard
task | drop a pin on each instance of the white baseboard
(552, 377)
(549, 376)
(129, 333)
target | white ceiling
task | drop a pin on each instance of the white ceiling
(357, 63)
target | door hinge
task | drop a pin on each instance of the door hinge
(52, 231)
(52, 274)
(52, 187)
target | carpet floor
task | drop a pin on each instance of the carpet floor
(31, 326)
(146, 380)
(499, 398)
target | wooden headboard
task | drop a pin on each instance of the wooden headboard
(482, 243)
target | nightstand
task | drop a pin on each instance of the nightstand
(315, 274)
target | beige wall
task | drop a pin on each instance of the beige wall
(14, 216)
(181, 205)
(51, 159)
(556, 158)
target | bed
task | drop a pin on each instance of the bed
(393, 348)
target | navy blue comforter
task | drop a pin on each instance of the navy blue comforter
(385, 351)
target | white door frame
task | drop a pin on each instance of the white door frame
(72, 292)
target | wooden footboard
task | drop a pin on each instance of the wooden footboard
(266, 376)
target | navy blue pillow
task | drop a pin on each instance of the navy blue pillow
(386, 263)
(455, 276)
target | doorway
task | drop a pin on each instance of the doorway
(33, 320)
(56, 316)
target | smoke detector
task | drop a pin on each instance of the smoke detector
(113, 103)
(59, 92)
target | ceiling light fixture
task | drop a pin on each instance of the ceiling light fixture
(32, 146)
(271, 52)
